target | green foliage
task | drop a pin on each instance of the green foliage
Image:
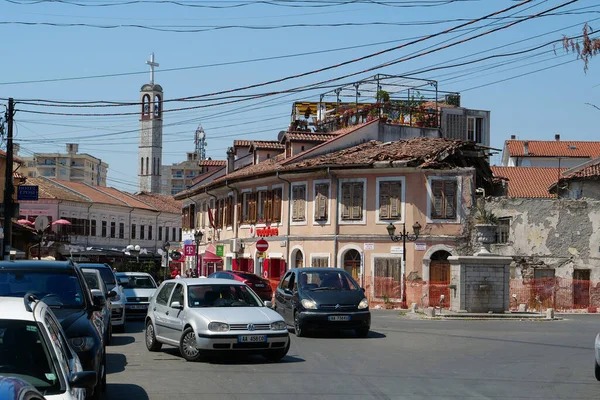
(383, 96)
(485, 217)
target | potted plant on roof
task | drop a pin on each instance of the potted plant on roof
(486, 227)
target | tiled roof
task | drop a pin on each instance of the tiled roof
(528, 182)
(590, 169)
(553, 148)
(267, 144)
(125, 197)
(242, 143)
(205, 175)
(91, 192)
(15, 158)
(269, 165)
(310, 136)
(48, 189)
(212, 163)
(161, 202)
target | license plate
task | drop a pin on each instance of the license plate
(252, 339)
(139, 307)
(260, 285)
(339, 318)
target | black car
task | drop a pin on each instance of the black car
(62, 286)
(324, 298)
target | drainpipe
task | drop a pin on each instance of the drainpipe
(337, 225)
(289, 216)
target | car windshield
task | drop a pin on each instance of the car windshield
(222, 296)
(327, 280)
(24, 354)
(58, 289)
(139, 282)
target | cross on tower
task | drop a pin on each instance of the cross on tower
(152, 64)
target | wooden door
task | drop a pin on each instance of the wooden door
(352, 263)
(439, 281)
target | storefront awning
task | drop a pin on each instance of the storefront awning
(211, 257)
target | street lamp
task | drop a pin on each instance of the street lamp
(135, 251)
(404, 236)
(197, 238)
(166, 246)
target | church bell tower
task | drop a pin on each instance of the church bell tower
(151, 126)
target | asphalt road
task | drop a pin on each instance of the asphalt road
(402, 359)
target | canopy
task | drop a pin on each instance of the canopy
(61, 222)
(211, 257)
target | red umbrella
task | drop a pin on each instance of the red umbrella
(25, 222)
(61, 222)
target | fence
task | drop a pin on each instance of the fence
(558, 293)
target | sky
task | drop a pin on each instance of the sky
(64, 51)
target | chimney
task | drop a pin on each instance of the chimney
(513, 137)
(72, 148)
(230, 160)
(557, 136)
(526, 148)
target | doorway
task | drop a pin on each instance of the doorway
(352, 263)
(581, 288)
(439, 276)
(298, 259)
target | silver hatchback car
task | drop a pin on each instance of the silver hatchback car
(203, 315)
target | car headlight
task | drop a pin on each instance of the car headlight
(83, 343)
(218, 327)
(115, 299)
(364, 303)
(309, 304)
(278, 326)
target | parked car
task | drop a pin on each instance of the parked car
(261, 286)
(18, 389)
(117, 302)
(34, 348)
(327, 298)
(61, 285)
(98, 288)
(207, 315)
(138, 287)
(597, 352)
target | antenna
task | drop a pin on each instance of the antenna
(200, 142)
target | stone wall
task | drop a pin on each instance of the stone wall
(557, 234)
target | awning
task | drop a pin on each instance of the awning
(211, 257)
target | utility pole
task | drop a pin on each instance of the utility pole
(8, 185)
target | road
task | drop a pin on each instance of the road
(402, 359)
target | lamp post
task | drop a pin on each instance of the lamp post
(135, 251)
(166, 246)
(197, 238)
(404, 236)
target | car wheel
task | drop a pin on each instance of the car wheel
(298, 326)
(100, 387)
(362, 332)
(597, 371)
(277, 355)
(187, 345)
(151, 343)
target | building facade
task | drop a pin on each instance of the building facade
(178, 177)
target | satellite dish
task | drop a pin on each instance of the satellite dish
(41, 223)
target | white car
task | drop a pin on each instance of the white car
(34, 348)
(138, 287)
(214, 315)
(597, 353)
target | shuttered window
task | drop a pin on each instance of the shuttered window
(443, 199)
(390, 200)
(299, 203)
(352, 201)
(319, 262)
(249, 206)
(262, 206)
(277, 194)
(320, 204)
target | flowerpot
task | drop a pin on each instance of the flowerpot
(486, 235)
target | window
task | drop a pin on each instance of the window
(93, 233)
(503, 229)
(113, 229)
(142, 232)
(133, 229)
(475, 129)
(103, 229)
(163, 296)
(249, 207)
(263, 206)
(321, 201)
(180, 234)
(387, 276)
(166, 234)
(285, 282)
(298, 203)
(160, 233)
(390, 200)
(174, 233)
(443, 193)
(121, 230)
(352, 201)
(319, 262)
(277, 194)
(149, 232)
(177, 295)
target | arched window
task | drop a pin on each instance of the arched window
(142, 166)
(147, 161)
(157, 106)
(146, 106)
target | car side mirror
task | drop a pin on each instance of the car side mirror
(111, 294)
(84, 379)
(268, 304)
(177, 305)
(99, 300)
(287, 291)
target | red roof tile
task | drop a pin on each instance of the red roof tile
(528, 182)
(49, 189)
(91, 192)
(310, 136)
(242, 143)
(205, 175)
(125, 197)
(160, 202)
(267, 144)
(553, 148)
(212, 163)
(590, 169)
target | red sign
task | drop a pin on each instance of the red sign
(262, 245)
(265, 274)
(189, 250)
(264, 232)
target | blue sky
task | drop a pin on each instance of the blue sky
(536, 106)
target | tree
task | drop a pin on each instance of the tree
(585, 46)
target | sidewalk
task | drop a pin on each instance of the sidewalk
(430, 314)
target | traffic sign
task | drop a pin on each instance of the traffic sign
(262, 245)
(265, 274)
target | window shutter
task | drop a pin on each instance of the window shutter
(437, 188)
(450, 199)
(320, 204)
(346, 200)
(384, 200)
(253, 201)
(295, 203)
(395, 199)
(277, 205)
(239, 209)
(269, 206)
(302, 203)
(357, 199)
